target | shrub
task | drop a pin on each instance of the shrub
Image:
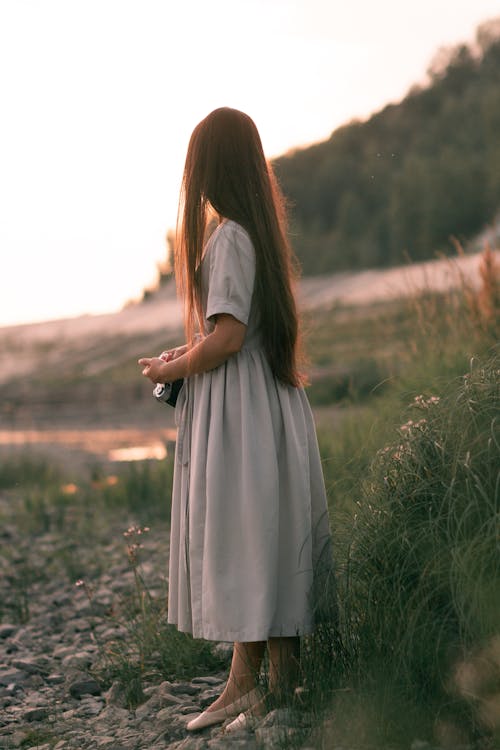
(422, 577)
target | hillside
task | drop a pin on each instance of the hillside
(412, 175)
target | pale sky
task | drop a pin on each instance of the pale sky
(99, 97)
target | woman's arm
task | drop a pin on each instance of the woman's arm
(226, 339)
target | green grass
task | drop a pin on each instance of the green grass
(415, 513)
(44, 500)
(422, 578)
(27, 471)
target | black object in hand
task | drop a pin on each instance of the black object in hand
(167, 392)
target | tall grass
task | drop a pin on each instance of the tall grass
(422, 580)
(414, 486)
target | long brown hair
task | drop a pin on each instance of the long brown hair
(226, 169)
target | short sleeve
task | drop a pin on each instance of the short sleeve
(232, 273)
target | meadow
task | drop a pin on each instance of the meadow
(406, 396)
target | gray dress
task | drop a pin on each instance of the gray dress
(249, 524)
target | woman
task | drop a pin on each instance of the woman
(249, 522)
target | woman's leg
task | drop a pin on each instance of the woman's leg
(245, 667)
(284, 665)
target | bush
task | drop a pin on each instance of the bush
(422, 579)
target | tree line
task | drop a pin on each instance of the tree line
(401, 183)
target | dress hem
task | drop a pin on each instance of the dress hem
(246, 636)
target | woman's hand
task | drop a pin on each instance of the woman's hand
(212, 350)
(170, 354)
(154, 368)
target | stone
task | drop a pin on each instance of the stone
(165, 714)
(276, 736)
(116, 695)
(189, 709)
(61, 599)
(168, 698)
(87, 710)
(113, 715)
(79, 660)
(35, 699)
(36, 714)
(207, 680)
(79, 624)
(146, 708)
(184, 688)
(29, 665)
(7, 630)
(54, 679)
(84, 686)
(113, 634)
(34, 681)
(15, 676)
(208, 696)
(190, 743)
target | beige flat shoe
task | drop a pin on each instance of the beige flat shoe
(208, 718)
(242, 721)
(247, 719)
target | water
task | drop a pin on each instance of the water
(126, 444)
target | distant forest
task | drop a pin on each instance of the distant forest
(404, 181)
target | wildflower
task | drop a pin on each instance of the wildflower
(398, 455)
(383, 451)
(136, 530)
(88, 589)
(424, 403)
(132, 552)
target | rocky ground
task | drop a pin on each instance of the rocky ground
(51, 694)
(54, 631)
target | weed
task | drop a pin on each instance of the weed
(153, 649)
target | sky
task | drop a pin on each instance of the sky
(99, 98)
